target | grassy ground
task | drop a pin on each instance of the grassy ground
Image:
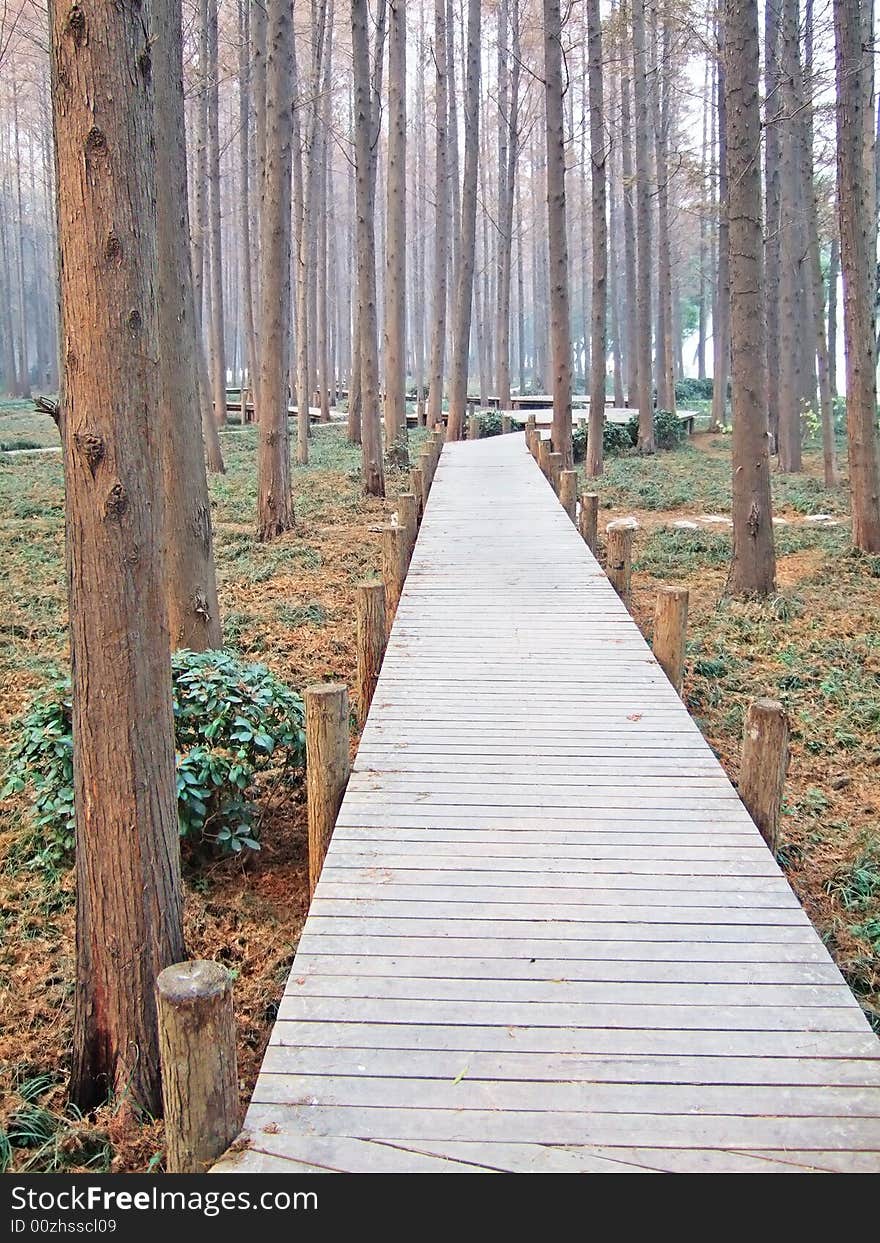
(815, 646)
(289, 604)
(22, 428)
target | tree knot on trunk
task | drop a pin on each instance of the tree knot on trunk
(135, 322)
(754, 520)
(76, 25)
(96, 145)
(91, 445)
(113, 248)
(117, 501)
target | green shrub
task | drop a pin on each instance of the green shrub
(490, 423)
(617, 438)
(689, 389)
(232, 720)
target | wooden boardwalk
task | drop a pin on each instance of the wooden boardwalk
(547, 936)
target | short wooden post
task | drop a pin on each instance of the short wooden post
(393, 567)
(506, 425)
(618, 564)
(437, 439)
(417, 487)
(670, 629)
(568, 492)
(763, 766)
(327, 766)
(372, 635)
(531, 423)
(426, 462)
(473, 427)
(589, 520)
(408, 519)
(544, 455)
(554, 465)
(199, 1071)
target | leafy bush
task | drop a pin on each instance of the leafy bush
(232, 721)
(490, 423)
(690, 389)
(617, 438)
(668, 429)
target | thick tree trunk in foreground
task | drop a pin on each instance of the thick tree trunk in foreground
(858, 231)
(395, 257)
(753, 563)
(643, 233)
(191, 585)
(560, 321)
(441, 221)
(128, 917)
(461, 328)
(598, 156)
(631, 352)
(274, 501)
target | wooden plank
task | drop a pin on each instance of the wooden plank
(447, 1065)
(313, 983)
(666, 1131)
(572, 1014)
(621, 1042)
(468, 1095)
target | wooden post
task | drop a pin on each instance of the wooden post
(670, 629)
(199, 1072)
(408, 519)
(618, 565)
(531, 423)
(506, 425)
(568, 492)
(327, 766)
(554, 466)
(473, 427)
(393, 567)
(372, 635)
(763, 766)
(417, 487)
(544, 455)
(589, 520)
(426, 462)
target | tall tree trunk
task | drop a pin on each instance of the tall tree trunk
(721, 310)
(753, 562)
(661, 108)
(772, 156)
(598, 156)
(373, 473)
(833, 278)
(468, 236)
(814, 265)
(644, 251)
(508, 149)
(629, 227)
(218, 343)
(857, 208)
(128, 915)
(244, 125)
(791, 249)
(191, 585)
(441, 221)
(274, 500)
(560, 321)
(704, 165)
(395, 255)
